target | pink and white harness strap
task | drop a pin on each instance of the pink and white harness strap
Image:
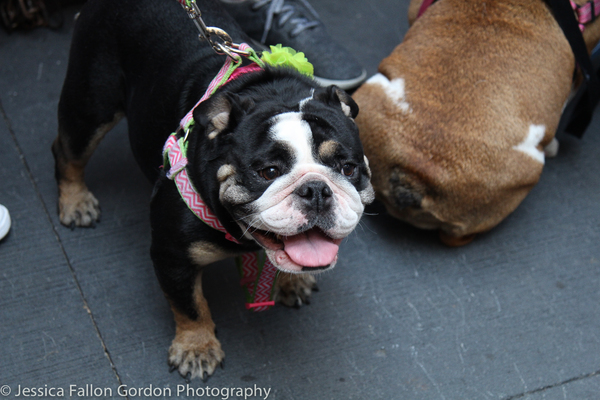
(587, 12)
(258, 273)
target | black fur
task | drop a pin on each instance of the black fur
(143, 58)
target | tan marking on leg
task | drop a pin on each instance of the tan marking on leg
(195, 349)
(293, 290)
(76, 204)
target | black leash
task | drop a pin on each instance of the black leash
(577, 115)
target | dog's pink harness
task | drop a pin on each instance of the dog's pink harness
(258, 274)
(586, 13)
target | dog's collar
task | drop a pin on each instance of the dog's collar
(175, 149)
(586, 13)
(229, 71)
(424, 6)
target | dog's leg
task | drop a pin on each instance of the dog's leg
(179, 254)
(91, 103)
(76, 204)
(294, 290)
(195, 351)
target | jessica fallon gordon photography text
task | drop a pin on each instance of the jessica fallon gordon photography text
(91, 391)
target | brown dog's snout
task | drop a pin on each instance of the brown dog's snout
(316, 195)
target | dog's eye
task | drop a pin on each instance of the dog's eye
(348, 169)
(269, 173)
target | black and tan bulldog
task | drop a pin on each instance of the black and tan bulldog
(276, 158)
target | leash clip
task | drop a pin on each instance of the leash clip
(196, 16)
(223, 45)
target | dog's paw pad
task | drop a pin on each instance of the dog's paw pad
(294, 290)
(79, 208)
(195, 358)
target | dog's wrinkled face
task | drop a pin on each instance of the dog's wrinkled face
(296, 179)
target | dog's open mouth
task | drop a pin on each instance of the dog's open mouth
(310, 250)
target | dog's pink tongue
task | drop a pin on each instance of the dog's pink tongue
(311, 249)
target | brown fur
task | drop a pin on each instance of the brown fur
(327, 149)
(477, 75)
(205, 253)
(195, 349)
(76, 204)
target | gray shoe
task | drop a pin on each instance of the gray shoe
(294, 23)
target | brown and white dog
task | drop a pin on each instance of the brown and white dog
(460, 117)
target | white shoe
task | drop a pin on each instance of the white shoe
(4, 221)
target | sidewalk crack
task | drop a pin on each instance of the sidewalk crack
(59, 241)
(556, 385)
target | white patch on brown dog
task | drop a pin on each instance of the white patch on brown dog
(530, 145)
(394, 89)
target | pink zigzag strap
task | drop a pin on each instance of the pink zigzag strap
(227, 73)
(174, 150)
(258, 279)
(258, 273)
(587, 12)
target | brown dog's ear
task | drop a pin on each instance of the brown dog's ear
(335, 96)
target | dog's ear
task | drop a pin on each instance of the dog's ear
(335, 96)
(240, 106)
(223, 111)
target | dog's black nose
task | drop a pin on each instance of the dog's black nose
(315, 194)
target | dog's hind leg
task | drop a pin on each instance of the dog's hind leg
(77, 206)
(90, 105)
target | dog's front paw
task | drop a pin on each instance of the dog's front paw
(195, 354)
(77, 206)
(294, 290)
